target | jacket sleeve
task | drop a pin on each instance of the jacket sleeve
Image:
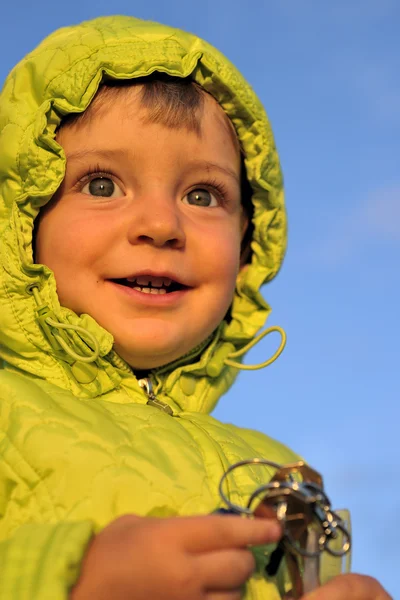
(42, 561)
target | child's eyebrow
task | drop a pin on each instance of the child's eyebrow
(209, 165)
(85, 153)
(115, 153)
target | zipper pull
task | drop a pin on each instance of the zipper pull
(147, 386)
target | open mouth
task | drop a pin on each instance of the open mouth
(151, 285)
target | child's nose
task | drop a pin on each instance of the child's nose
(157, 221)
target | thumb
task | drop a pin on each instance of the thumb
(349, 587)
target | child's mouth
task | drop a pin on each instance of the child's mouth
(151, 285)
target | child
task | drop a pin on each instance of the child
(110, 462)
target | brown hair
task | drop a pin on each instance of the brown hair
(174, 102)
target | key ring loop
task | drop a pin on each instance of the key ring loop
(346, 544)
(242, 463)
(308, 492)
(286, 488)
(325, 541)
(290, 488)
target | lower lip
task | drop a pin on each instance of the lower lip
(147, 299)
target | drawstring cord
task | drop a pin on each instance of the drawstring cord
(49, 324)
(232, 363)
(67, 349)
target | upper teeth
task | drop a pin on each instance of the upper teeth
(145, 280)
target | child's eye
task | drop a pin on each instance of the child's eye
(103, 187)
(200, 197)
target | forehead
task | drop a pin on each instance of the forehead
(222, 120)
(207, 119)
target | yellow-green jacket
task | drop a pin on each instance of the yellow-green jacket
(81, 442)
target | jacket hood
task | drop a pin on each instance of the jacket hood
(40, 337)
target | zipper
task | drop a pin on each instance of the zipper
(147, 385)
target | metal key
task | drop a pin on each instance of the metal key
(295, 495)
(294, 504)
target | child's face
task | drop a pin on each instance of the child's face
(141, 202)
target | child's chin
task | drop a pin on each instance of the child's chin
(147, 358)
(154, 342)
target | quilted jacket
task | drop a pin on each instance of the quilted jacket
(81, 442)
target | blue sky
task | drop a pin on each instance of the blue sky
(327, 73)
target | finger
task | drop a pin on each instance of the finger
(350, 587)
(217, 532)
(127, 520)
(226, 569)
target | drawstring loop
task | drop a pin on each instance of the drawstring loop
(232, 363)
(50, 325)
(67, 349)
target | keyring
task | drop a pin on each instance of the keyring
(236, 508)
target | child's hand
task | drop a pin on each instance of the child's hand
(136, 558)
(350, 587)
